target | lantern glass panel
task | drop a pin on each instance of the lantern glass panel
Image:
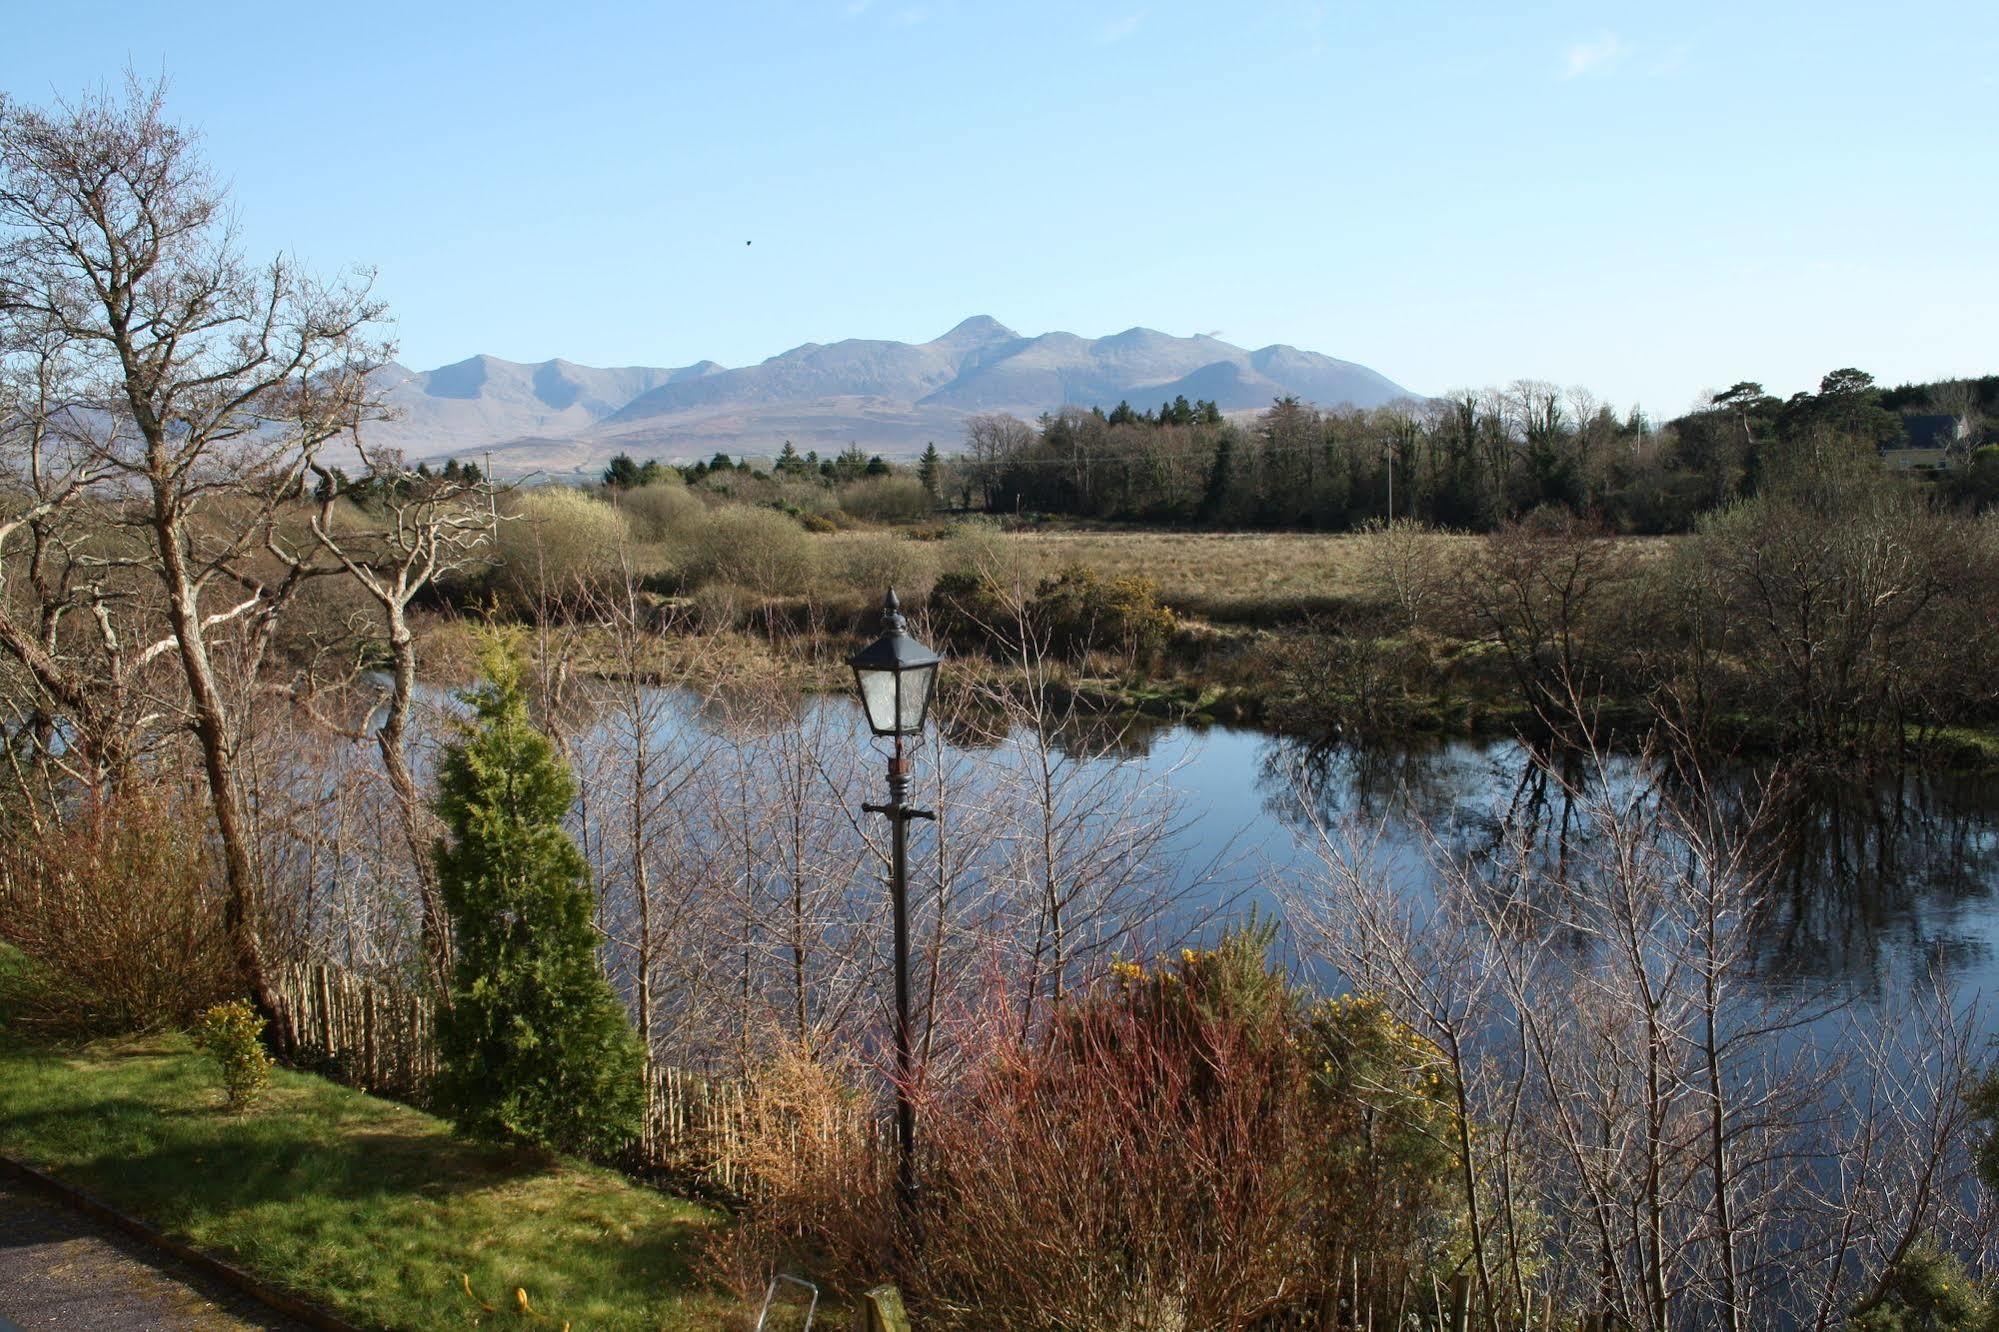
(913, 699)
(879, 697)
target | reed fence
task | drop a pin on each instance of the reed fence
(380, 1036)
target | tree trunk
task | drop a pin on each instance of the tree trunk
(242, 905)
(391, 740)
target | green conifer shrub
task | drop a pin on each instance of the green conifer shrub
(535, 1045)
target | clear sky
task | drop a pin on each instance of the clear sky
(1647, 200)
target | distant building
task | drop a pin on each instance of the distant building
(1915, 460)
(1927, 442)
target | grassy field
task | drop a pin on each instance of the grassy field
(369, 1208)
(1255, 575)
(1219, 575)
(1241, 576)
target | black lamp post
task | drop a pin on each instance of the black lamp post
(895, 675)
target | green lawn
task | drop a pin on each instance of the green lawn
(374, 1210)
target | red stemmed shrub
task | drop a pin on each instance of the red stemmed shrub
(1196, 1145)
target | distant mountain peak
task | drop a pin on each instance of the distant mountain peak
(890, 397)
(1139, 336)
(977, 330)
(983, 325)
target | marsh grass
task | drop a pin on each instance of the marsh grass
(1227, 577)
(372, 1209)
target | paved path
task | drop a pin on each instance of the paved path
(62, 1270)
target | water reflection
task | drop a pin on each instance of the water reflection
(1878, 879)
(1870, 882)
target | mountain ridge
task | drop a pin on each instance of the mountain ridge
(889, 397)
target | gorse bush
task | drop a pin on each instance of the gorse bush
(1080, 611)
(970, 610)
(119, 908)
(534, 1046)
(1927, 1291)
(233, 1033)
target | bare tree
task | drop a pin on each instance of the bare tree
(212, 382)
(63, 617)
(414, 530)
(990, 441)
(1829, 593)
(1542, 590)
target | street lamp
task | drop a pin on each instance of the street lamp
(895, 675)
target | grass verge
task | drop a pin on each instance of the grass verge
(368, 1208)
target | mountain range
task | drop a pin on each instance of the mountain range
(889, 397)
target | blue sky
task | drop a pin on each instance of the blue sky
(1647, 200)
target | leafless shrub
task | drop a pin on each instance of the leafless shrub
(1541, 591)
(1403, 567)
(870, 563)
(897, 499)
(1194, 1146)
(121, 915)
(810, 1149)
(759, 549)
(1845, 601)
(558, 538)
(663, 511)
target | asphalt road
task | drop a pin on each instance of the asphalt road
(62, 1270)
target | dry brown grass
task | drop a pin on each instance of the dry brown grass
(1254, 576)
(1251, 576)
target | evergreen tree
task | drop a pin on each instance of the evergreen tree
(851, 465)
(535, 1046)
(930, 470)
(622, 473)
(1221, 477)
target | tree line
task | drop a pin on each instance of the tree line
(1470, 461)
